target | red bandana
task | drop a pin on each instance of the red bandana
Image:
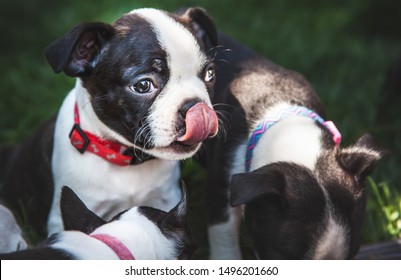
(111, 151)
(116, 245)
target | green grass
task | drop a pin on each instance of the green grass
(383, 215)
(344, 48)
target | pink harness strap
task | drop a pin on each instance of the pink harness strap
(116, 245)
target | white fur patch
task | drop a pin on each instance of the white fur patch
(224, 237)
(238, 161)
(333, 243)
(362, 150)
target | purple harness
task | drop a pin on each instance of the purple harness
(284, 113)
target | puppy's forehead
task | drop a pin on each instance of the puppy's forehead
(182, 48)
(130, 215)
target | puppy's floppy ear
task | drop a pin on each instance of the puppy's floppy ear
(202, 25)
(359, 160)
(77, 52)
(246, 187)
(75, 214)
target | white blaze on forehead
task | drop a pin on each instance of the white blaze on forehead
(333, 243)
(183, 52)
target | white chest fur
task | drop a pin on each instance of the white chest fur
(105, 188)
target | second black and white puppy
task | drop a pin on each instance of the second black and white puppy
(140, 233)
(140, 104)
(303, 194)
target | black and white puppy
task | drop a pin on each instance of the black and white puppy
(140, 104)
(141, 233)
(303, 193)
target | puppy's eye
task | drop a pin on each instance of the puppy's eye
(142, 87)
(210, 74)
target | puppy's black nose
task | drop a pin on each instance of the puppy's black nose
(186, 106)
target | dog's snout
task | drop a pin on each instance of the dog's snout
(200, 122)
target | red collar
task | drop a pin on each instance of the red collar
(116, 245)
(113, 152)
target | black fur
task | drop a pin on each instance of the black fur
(28, 180)
(202, 26)
(46, 253)
(285, 214)
(109, 59)
(360, 164)
(5, 153)
(78, 51)
(75, 214)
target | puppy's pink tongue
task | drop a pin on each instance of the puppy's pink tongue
(201, 122)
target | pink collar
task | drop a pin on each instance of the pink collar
(116, 245)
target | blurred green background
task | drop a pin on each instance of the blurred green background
(344, 48)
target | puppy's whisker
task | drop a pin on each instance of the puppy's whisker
(218, 52)
(139, 133)
(223, 105)
(224, 123)
(147, 139)
(219, 48)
